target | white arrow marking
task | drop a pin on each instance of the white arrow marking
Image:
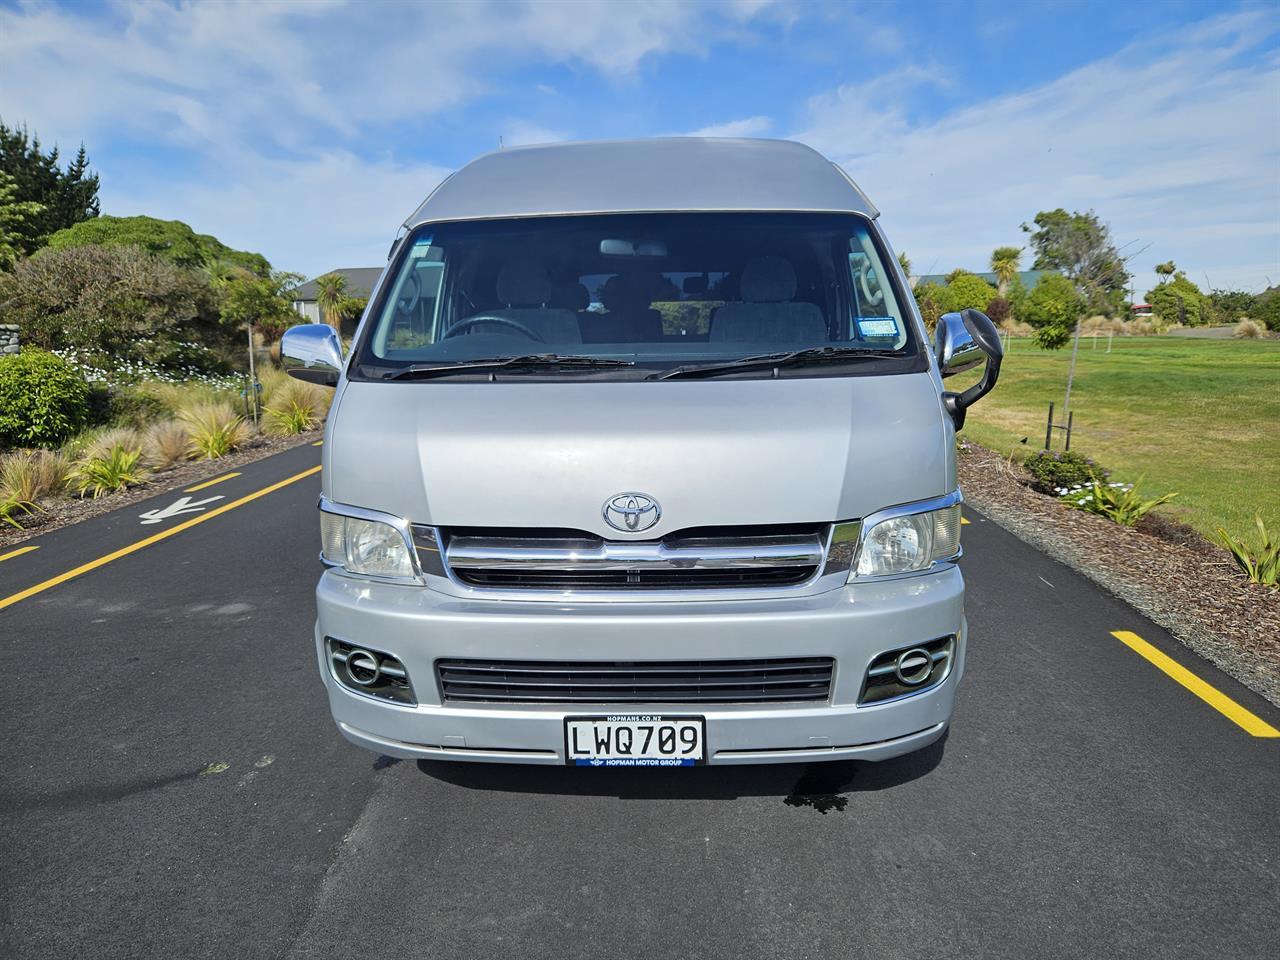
(179, 506)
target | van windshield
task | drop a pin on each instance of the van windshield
(629, 296)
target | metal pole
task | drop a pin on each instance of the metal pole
(1071, 415)
(1048, 430)
(1109, 335)
(253, 380)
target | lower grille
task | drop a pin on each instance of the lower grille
(686, 681)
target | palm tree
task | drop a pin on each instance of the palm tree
(331, 293)
(1004, 264)
(1165, 270)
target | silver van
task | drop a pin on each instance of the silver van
(640, 457)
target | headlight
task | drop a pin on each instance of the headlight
(908, 543)
(366, 547)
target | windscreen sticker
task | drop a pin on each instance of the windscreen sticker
(878, 327)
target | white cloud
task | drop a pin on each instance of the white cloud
(746, 127)
(1173, 141)
(335, 210)
(520, 133)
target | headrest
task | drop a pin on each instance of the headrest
(767, 280)
(570, 296)
(523, 283)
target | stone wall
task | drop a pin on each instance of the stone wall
(8, 338)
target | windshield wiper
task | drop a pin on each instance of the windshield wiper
(789, 359)
(425, 371)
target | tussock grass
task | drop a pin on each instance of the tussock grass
(1248, 329)
(29, 476)
(296, 406)
(166, 443)
(215, 430)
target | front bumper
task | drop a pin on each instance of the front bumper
(853, 625)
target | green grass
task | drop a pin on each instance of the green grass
(1197, 417)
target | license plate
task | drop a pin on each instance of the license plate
(635, 740)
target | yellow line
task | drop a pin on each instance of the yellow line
(963, 521)
(1210, 695)
(17, 553)
(162, 535)
(210, 483)
(318, 443)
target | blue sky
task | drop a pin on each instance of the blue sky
(308, 130)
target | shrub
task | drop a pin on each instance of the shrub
(1248, 329)
(132, 407)
(215, 428)
(1178, 301)
(1058, 472)
(1262, 567)
(1118, 502)
(167, 443)
(104, 471)
(42, 400)
(29, 476)
(998, 310)
(10, 506)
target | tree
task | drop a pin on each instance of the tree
(964, 290)
(1165, 270)
(1266, 308)
(1230, 305)
(1004, 264)
(1178, 301)
(1053, 307)
(15, 214)
(264, 303)
(66, 196)
(331, 291)
(173, 240)
(905, 262)
(1079, 246)
(115, 305)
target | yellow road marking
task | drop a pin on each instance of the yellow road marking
(210, 483)
(156, 538)
(17, 553)
(318, 443)
(963, 521)
(1215, 698)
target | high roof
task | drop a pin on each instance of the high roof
(634, 176)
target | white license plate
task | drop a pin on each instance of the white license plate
(635, 740)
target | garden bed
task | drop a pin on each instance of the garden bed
(1162, 568)
(65, 511)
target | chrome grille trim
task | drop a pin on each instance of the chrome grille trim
(567, 561)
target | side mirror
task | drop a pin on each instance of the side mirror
(312, 352)
(963, 340)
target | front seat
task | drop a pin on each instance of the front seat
(524, 288)
(767, 315)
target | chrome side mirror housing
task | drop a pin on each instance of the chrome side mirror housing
(312, 352)
(962, 341)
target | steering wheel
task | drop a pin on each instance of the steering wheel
(470, 322)
(864, 272)
(410, 294)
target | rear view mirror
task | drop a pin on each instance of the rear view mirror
(962, 341)
(632, 248)
(312, 352)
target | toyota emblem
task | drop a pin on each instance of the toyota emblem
(631, 512)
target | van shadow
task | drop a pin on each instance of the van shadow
(822, 786)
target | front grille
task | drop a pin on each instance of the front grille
(641, 579)
(683, 681)
(568, 560)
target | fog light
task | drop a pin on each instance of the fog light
(902, 673)
(370, 672)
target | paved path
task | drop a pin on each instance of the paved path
(173, 787)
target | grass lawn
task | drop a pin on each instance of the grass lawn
(1199, 417)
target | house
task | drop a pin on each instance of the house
(360, 281)
(1029, 278)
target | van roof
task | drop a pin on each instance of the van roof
(643, 176)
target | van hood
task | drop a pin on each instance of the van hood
(711, 453)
